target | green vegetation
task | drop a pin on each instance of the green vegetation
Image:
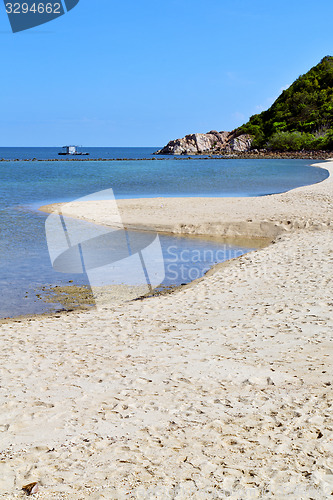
(301, 117)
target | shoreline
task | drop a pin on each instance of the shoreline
(259, 155)
(224, 388)
(72, 298)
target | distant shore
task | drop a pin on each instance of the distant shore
(258, 155)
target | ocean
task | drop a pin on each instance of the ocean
(25, 267)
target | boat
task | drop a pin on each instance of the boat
(72, 150)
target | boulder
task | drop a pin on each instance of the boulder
(211, 142)
(241, 143)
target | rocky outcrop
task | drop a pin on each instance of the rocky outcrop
(241, 143)
(212, 142)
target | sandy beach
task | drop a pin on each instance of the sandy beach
(222, 389)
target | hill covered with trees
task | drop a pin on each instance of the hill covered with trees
(301, 117)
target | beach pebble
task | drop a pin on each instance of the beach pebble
(31, 488)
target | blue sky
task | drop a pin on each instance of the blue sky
(139, 73)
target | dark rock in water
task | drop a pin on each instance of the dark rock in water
(212, 142)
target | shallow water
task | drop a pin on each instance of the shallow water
(26, 270)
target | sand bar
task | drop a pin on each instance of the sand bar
(220, 390)
(264, 216)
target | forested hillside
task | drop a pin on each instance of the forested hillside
(301, 117)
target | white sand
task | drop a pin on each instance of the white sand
(220, 390)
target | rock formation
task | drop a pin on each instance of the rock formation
(212, 142)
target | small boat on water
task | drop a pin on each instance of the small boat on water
(72, 150)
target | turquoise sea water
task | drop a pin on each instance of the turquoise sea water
(26, 185)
